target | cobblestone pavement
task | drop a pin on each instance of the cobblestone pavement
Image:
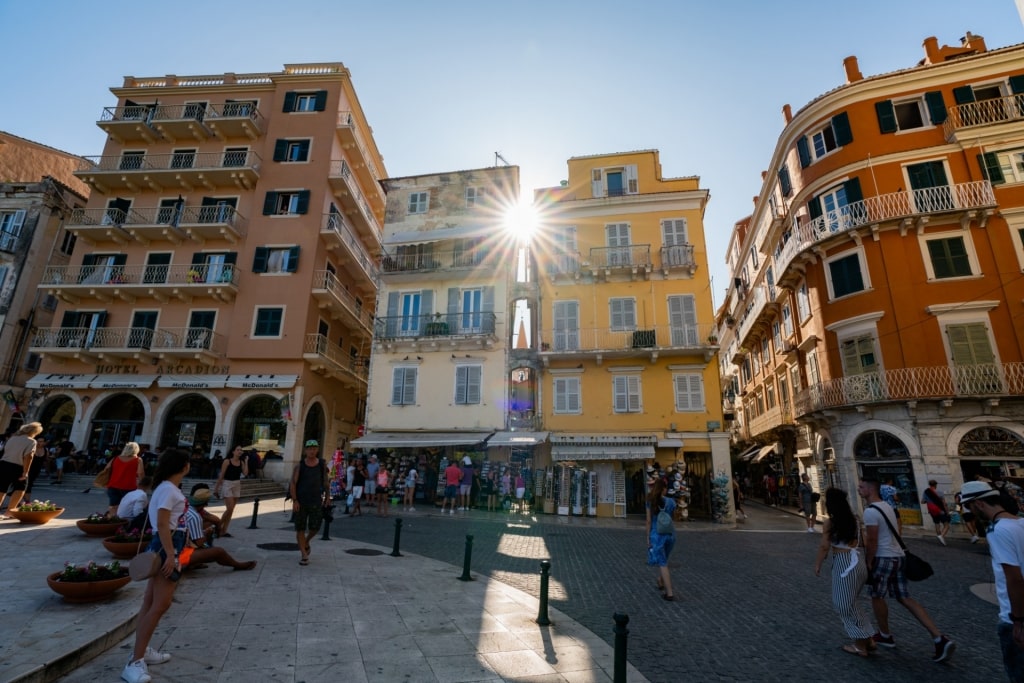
(748, 608)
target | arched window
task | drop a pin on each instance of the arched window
(992, 442)
(878, 444)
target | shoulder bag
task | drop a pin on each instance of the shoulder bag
(914, 568)
(103, 478)
(144, 564)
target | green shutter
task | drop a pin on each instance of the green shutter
(289, 102)
(841, 127)
(303, 206)
(304, 147)
(1016, 84)
(852, 189)
(199, 259)
(320, 104)
(936, 106)
(269, 204)
(120, 259)
(280, 150)
(989, 163)
(293, 259)
(814, 207)
(963, 95)
(260, 259)
(804, 152)
(886, 116)
(231, 258)
(784, 182)
(969, 344)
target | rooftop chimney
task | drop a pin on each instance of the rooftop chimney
(931, 50)
(787, 113)
(764, 174)
(852, 69)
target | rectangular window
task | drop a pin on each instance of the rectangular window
(689, 390)
(268, 322)
(949, 257)
(617, 237)
(276, 260)
(131, 160)
(67, 243)
(290, 203)
(567, 325)
(745, 371)
(823, 142)
(183, 158)
(626, 394)
(769, 393)
(10, 229)
(235, 156)
(474, 196)
(974, 362)
(403, 386)
(813, 371)
(467, 384)
(305, 103)
(777, 336)
(794, 376)
(291, 151)
(682, 319)
(858, 355)
(1008, 166)
(622, 314)
(845, 276)
(419, 202)
(673, 232)
(567, 395)
(803, 302)
(787, 320)
(765, 352)
(909, 114)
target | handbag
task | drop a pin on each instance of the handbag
(143, 565)
(103, 478)
(914, 567)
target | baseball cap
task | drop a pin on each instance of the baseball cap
(312, 442)
(975, 490)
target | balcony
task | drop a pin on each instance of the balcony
(756, 311)
(178, 171)
(437, 331)
(665, 340)
(677, 258)
(129, 124)
(425, 260)
(327, 358)
(345, 187)
(523, 420)
(983, 381)
(235, 120)
(967, 199)
(349, 137)
(164, 283)
(781, 414)
(178, 122)
(155, 224)
(968, 121)
(102, 343)
(564, 264)
(333, 297)
(339, 237)
(633, 259)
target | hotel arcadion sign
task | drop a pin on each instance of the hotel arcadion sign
(179, 369)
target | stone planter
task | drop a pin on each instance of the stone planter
(103, 529)
(125, 550)
(85, 591)
(35, 516)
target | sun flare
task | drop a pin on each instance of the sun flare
(521, 220)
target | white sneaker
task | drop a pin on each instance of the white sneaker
(154, 657)
(136, 672)
(974, 539)
(941, 540)
(451, 512)
(412, 509)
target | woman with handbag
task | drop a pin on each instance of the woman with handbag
(167, 509)
(841, 536)
(661, 534)
(125, 472)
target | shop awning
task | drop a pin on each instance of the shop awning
(670, 443)
(589, 452)
(568, 439)
(418, 439)
(122, 381)
(749, 453)
(260, 381)
(424, 236)
(763, 453)
(191, 381)
(44, 381)
(517, 438)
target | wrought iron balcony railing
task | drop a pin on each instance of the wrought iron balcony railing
(677, 256)
(984, 113)
(176, 161)
(127, 338)
(436, 325)
(320, 347)
(588, 340)
(183, 274)
(633, 255)
(340, 169)
(336, 225)
(430, 260)
(326, 281)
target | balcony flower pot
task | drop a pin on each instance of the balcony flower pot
(89, 583)
(36, 512)
(437, 329)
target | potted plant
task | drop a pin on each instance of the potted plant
(127, 543)
(98, 524)
(36, 512)
(437, 328)
(88, 583)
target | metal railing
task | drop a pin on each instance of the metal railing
(319, 345)
(161, 339)
(176, 161)
(336, 223)
(181, 274)
(621, 257)
(984, 113)
(755, 304)
(428, 259)
(585, 340)
(341, 169)
(892, 206)
(346, 120)
(902, 384)
(435, 325)
(328, 281)
(677, 256)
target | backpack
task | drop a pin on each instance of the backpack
(663, 524)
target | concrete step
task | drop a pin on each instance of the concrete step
(251, 488)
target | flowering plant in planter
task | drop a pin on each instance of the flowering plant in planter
(132, 535)
(91, 572)
(38, 506)
(102, 518)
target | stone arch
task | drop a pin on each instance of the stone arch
(957, 433)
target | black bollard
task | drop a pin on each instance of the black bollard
(621, 634)
(398, 537)
(465, 561)
(542, 613)
(255, 513)
(328, 518)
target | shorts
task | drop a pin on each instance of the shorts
(382, 490)
(357, 492)
(114, 496)
(887, 579)
(520, 493)
(231, 489)
(10, 477)
(309, 518)
(451, 491)
(177, 540)
(941, 518)
(371, 487)
(464, 489)
(967, 516)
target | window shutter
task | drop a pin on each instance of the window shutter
(293, 259)
(804, 152)
(633, 391)
(269, 203)
(260, 259)
(841, 127)
(280, 150)
(120, 259)
(632, 181)
(303, 206)
(852, 190)
(886, 116)
(289, 102)
(199, 258)
(969, 344)
(69, 320)
(963, 95)
(426, 308)
(561, 394)
(453, 310)
(990, 167)
(1016, 84)
(397, 386)
(936, 106)
(473, 375)
(488, 300)
(391, 324)
(596, 183)
(621, 390)
(784, 182)
(304, 147)
(673, 232)
(689, 392)
(851, 359)
(572, 395)
(461, 384)
(409, 388)
(321, 101)
(814, 207)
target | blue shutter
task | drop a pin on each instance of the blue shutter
(989, 163)
(453, 310)
(804, 152)
(293, 259)
(784, 182)
(964, 94)
(886, 116)
(814, 207)
(289, 102)
(936, 106)
(260, 259)
(269, 204)
(841, 127)
(321, 101)
(391, 326)
(303, 206)
(280, 150)
(852, 189)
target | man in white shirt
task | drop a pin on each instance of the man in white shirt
(885, 566)
(1006, 544)
(135, 502)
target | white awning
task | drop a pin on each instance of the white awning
(260, 381)
(122, 381)
(589, 452)
(670, 443)
(42, 381)
(424, 236)
(418, 439)
(749, 453)
(191, 381)
(763, 453)
(568, 439)
(517, 438)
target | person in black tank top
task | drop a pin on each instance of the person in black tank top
(229, 486)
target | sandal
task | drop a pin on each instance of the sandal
(854, 650)
(670, 598)
(304, 561)
(660, 585)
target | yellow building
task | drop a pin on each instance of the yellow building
(222, 290)
(626, 337)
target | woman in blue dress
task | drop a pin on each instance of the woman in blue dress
(659, 545)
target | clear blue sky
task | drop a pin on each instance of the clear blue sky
(447, 83)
